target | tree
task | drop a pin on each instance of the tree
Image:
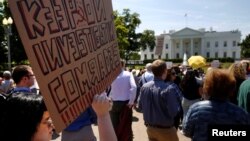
(245, 47)
(18, 54)
(129, 41)
(148, 39)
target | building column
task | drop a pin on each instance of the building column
(202, 47)
(192, 47)
(181, 48)
(170, 49)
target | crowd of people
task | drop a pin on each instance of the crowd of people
(24, 116)
(190, 100)
(170, 99)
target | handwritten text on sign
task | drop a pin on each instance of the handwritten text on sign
(72, 47)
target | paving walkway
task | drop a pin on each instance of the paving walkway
(139, 130)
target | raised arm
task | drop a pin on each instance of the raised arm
(101, 105)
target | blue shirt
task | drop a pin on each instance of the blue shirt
(159, 102)
(21, 89)
(85, 119)
(147, 76)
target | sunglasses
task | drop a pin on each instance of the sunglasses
(49, 123)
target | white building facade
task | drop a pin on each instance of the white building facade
(209, 44)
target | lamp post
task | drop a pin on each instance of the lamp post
(7, 26)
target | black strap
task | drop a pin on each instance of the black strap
(145, 78)
(108, 90)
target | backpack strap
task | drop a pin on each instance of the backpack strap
(145, 78)
(108, 90)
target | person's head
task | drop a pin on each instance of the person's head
(171, 75)
(23, 76)
(189, 83)
(219, 84)
(159, 69)
(6, 75)
(238, 71)
(122, 63)
(142, 71)
(26, 118)
(177, 70)
(148, 67)
(133, 72)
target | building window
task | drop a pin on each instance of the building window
(152, 56)
(208, 55)
(216, 55)
(225, 43)
(195, 44)
(196, 53)
(216, 44)
(177, 55)
(234, 54)
(177, 45)
(208, 44)
(166, 55)
(234, 43)
(145, 56)
(166, 46)
(225, 54)
(159, 57)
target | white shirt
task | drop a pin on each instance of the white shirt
(6, 85)
(123, 87)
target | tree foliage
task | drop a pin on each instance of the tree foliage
(245, 47)
(148, 39)
(18, 54)
(129, 41)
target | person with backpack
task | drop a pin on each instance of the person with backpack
(148, 75)
(145, 77)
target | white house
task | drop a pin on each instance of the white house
(210, 44)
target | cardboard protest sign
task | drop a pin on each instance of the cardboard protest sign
(72, 48)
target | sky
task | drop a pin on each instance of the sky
(165, 15)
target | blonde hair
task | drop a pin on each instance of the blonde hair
(158, 67)
(238, 71)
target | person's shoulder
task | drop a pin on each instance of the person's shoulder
(201, 104)
(148, 84)
(171, 85)
(126, 72)
(246, 82)
(150, 74)
(236, 108)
